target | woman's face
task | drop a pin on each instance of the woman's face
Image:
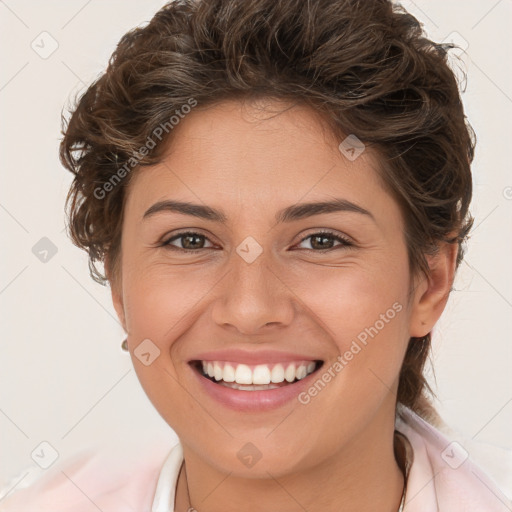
(261, 287)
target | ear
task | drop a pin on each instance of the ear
(431, 294)
(116, 291)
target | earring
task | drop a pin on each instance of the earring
(124, 345)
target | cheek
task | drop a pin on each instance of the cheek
(345, 301)
(161, 298)
(364, 312)
(364, 315)
(159, 302)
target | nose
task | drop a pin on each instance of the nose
(253, 297)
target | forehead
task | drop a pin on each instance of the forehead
(253, 152)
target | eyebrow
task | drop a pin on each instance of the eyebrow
(289, 214)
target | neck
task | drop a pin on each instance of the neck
(363, 476)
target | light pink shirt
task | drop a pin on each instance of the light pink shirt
(441, 479)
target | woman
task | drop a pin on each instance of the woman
(279, 193)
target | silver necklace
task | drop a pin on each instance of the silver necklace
(402, 501)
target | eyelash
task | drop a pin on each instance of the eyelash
(345, 242)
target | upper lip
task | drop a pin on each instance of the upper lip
(252, 357)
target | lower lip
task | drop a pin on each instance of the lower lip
(254, 401)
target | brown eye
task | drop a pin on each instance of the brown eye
(322, 241)
(190, 242)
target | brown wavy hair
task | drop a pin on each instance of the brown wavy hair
(365, 66)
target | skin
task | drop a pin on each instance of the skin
(249, 164)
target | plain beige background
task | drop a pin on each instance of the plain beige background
(64, 379)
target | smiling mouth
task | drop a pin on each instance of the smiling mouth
(259, 377)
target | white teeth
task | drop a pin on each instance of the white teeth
(289, 373)
(229, 373)
(277, 375)
(263, 387)
(259, 375)
(217, 371)
(301, 372)
(243, 374)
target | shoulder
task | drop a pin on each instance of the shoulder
(443, 475)
(112, 479)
